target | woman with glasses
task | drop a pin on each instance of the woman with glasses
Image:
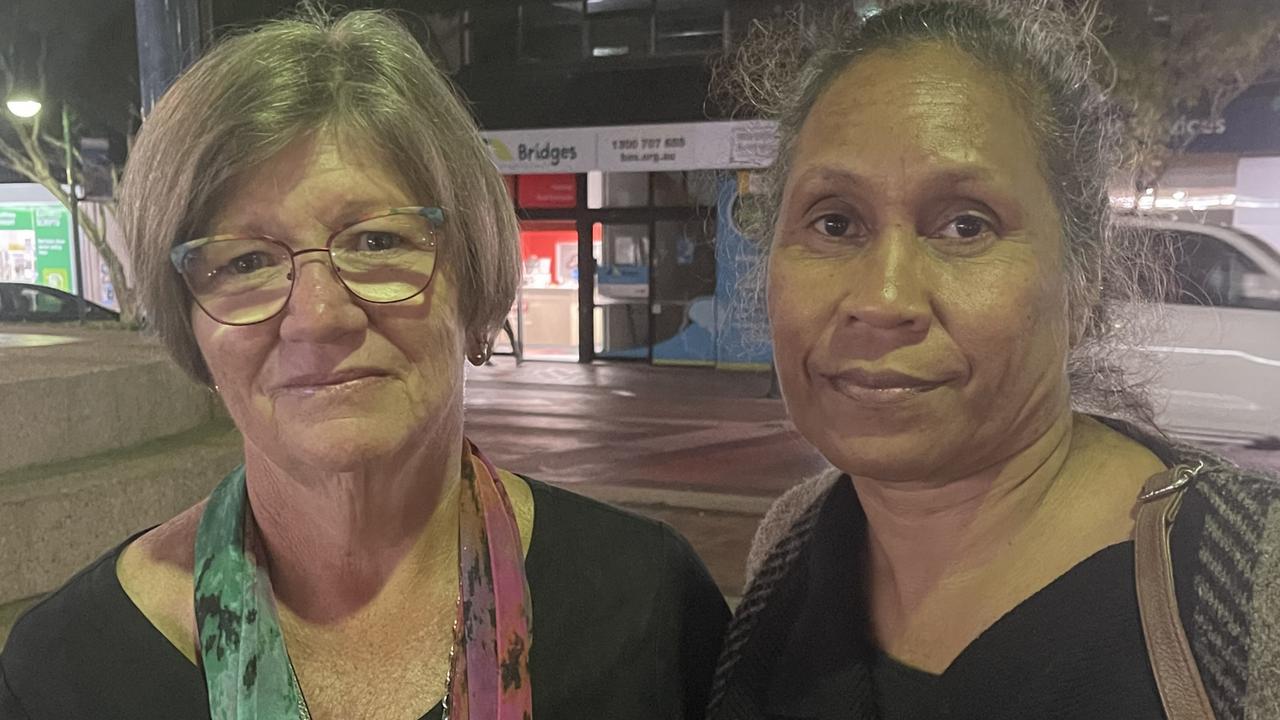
(322, 239)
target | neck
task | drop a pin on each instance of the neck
(334, 540)
(921, 532)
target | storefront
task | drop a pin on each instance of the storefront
(35, 244)
(627, 245)
(1231, 172)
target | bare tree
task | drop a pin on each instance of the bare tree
(26, 147)
(1179, 63)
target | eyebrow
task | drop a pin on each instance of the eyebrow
(352, 210)
(945, 177)
(338, 217)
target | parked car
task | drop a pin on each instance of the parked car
(1219, 348)
(23, 302)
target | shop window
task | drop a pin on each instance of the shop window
(558, 190)
(491, 32)
(622, 34)
(599, 7)
(625, 189)
(704, 186)
(689, 26)
(595, 189)
(552, 31)
(670, 190)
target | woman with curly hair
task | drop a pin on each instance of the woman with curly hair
(946, 290)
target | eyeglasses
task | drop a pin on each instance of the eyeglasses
(388, 257)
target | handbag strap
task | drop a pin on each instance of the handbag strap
(1181, 690)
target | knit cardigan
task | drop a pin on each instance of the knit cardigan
(1226, 554)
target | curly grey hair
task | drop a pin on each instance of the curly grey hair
(1053, 62)
(362, 75)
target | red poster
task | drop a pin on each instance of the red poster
(558, 190)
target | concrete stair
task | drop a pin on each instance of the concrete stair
(99, 437)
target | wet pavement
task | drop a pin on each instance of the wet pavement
(639, 426)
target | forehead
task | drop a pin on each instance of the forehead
(319, 179)
(922, 104)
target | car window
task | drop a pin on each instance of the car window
(41, 303)
(1209, 271)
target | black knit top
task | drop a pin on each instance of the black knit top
(1080, 631)
(1073, 650)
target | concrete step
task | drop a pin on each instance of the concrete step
(56, 518)
(74, 393)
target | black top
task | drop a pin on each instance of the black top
(627, 624)
(1073, 650)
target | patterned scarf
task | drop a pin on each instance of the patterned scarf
(247, 668)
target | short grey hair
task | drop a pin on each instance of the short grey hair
(1058, 71)
(362, 75)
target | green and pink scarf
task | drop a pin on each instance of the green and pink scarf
(247, 668)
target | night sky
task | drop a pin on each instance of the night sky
(92, 52)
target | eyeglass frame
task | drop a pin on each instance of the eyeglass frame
(179, 252)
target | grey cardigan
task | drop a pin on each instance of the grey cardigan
(1226, 543)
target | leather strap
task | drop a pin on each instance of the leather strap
(1177, 677)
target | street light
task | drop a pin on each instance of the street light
(23, 107)
(26, 107)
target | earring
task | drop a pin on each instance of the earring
(481, 356)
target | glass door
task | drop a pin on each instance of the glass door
(683, 302)
(545, 315)
(623, 262)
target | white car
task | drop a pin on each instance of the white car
(1218, 352)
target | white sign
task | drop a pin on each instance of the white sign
(647, 147)
(726, 145)
(554, 150)
(753, 144)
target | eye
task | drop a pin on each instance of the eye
(966, 227)
(250, 262)
(376, 241)
(833, 225)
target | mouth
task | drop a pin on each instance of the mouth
(337, 381)
(881, 387)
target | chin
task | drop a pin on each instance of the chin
(345, 445)
(898, 457)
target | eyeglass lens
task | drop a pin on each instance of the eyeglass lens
(246, 280)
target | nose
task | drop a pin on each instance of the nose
(887, 303)
(320, 308)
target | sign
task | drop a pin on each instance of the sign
(559, 190)
(53, 247)
(753, 144)
(1250, 125)
(35, 245)
(555, 150)
(643, 148)
(725, 145)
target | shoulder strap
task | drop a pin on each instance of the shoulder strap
(1181, 689)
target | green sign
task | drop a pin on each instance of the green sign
(35, 245)
(53, 247)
